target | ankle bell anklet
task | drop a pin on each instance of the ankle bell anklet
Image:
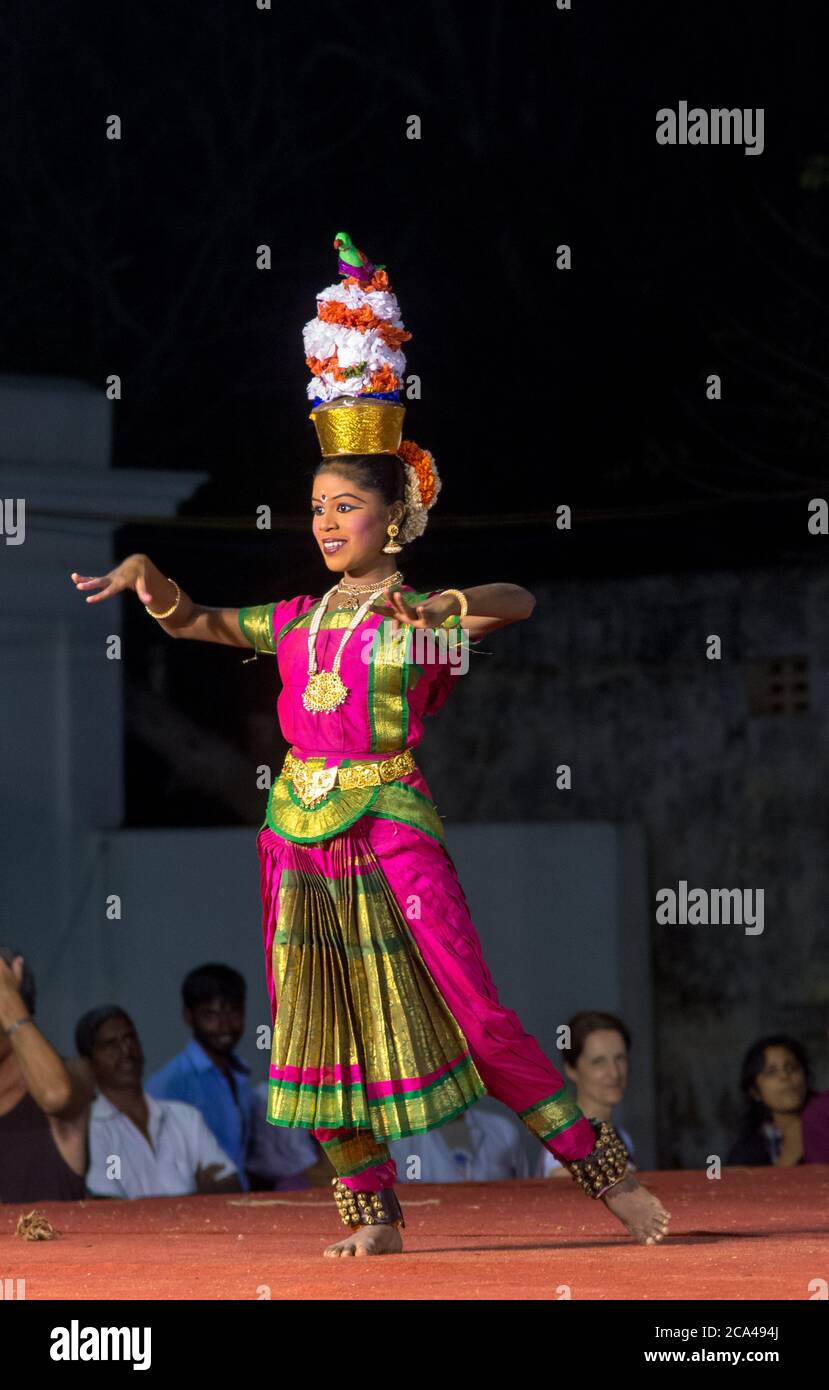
(605, 1165)
(367, 1208)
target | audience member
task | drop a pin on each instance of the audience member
(280, 1159)
(208, 1073)
(597, 1063)
(815, 1125)
(140, 1146)
(481, 1145)
(44, 1099)
(775, 1084)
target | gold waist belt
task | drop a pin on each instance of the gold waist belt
(314, 784)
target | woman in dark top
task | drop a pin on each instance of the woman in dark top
(44, 1099)
(776, 1084)
(32, 1168)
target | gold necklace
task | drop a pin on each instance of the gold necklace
(326, 690)
(353, 591)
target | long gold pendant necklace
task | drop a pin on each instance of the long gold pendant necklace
(326, 690)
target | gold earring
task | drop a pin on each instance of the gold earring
(390, 548)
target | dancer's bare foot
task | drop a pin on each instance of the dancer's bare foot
(369, 1240)
(638, 1210)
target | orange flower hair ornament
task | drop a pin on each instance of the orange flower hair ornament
(422, 487)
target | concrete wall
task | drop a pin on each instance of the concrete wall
(611, 678)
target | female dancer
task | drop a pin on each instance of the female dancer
(386, 1019)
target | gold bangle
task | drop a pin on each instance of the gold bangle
(168, 611)
(456, 593)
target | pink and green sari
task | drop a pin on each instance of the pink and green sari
(386, 1020)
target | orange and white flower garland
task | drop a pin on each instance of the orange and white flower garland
(353, 348)
(353, 345)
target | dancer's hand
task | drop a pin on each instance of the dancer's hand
(132, 573)
(394, 605)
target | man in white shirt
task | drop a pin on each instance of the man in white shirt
(140, 1146)
(479, 1146)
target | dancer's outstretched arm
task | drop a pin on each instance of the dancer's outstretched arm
(189, 620)
(488, 606)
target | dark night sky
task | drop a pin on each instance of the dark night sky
(243, 127)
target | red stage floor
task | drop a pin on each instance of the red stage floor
(757, 1233)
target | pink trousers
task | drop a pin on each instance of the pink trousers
(510, 1062)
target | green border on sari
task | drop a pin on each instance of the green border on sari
(256, 624)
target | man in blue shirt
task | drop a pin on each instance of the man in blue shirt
(208, 1074)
